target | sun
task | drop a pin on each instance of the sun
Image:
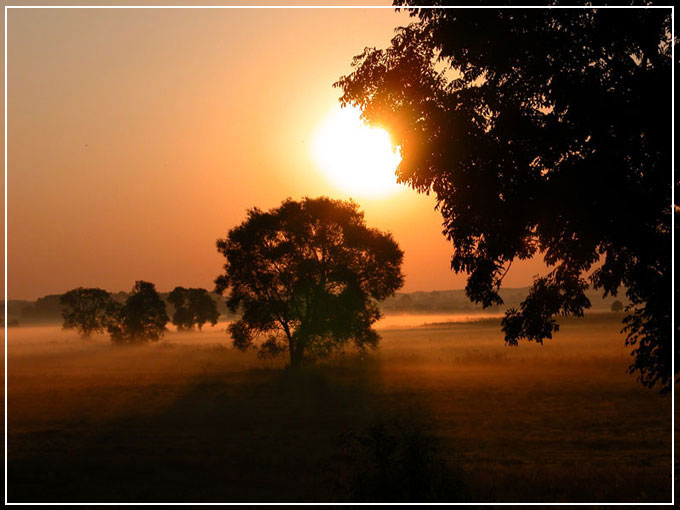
(356, 158)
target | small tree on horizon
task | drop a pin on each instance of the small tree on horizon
(306, 277)
(192, 307)
(141, 318)
(86, 310)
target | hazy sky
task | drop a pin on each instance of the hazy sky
(136, 138)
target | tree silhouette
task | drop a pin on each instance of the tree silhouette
(86, 310)
(142, 317)
(305, 277)
(540, 131)
(617, 306)
(192, 307)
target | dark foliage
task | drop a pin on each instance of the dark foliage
(542, 131)
(86, 310)
(193, 307)
(305, 277)
(142, 317)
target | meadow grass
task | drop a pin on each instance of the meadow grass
(444, 412)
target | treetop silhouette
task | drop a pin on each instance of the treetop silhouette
(141, 318)
(305, 277)
(193, 307)
(87, 310)
(541, 131)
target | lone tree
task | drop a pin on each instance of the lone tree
(192, 307)
(617, 306)
(305, 277)
(142, 317)
(540, 131)
(86, 310)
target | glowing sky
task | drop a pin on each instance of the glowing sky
(136, 138)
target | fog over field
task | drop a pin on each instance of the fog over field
(196, 420)
(452, 303)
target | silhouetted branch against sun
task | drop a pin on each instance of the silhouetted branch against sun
(540, 131)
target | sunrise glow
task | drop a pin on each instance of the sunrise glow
(356, 158)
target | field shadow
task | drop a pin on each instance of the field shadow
(398, 462)
(263, 435)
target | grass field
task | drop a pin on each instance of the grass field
(443, 412)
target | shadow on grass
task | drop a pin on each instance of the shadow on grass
(396, 463)
(257, 436)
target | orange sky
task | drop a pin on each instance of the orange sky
(136, 138)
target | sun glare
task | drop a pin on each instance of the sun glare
(356, 158)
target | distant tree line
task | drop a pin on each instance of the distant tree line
(48, 309)
(456, 301)
(142, 316)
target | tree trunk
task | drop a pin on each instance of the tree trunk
(295, 350)
(291, 352)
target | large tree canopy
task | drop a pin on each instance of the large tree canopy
(540, 131)
(306, 276)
